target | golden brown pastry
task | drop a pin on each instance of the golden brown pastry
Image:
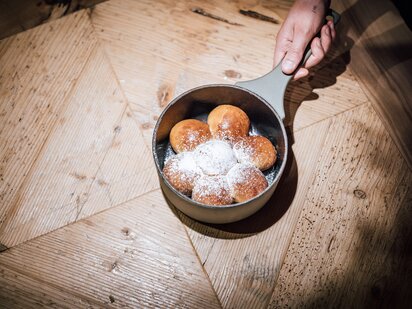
(256, 150)
(215, 157)
(246, 182)
(181, 171)
(212, 190)
(228, 123)
(187, 134)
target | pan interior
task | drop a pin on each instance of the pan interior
(198, 103)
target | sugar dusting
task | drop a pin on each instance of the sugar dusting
(244, 152)
(256, 150)
(245, 182)
(215, 157)
(194, 138)
(181, 171)
(212, 190)
(169, 153)
(240, 173)
(187, 170)
(184, 162)
(225, 125)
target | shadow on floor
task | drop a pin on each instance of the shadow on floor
(268, 215)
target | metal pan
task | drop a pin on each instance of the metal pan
(262, 100)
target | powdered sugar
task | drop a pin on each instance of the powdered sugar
(212, 190)
(243, 152)
(181, 171)
(192, 136)
(185, 162)
(256, 150)
(240, 173)
(245, 182)
(225, 125)
(215, 157)
(169, 153)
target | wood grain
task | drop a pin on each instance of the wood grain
(22, 291)
(79, 98)
(135, 255)
(156, 46)
(380, 44)
(353, 235)
(127, 171)
(34, 94)
(66, 171)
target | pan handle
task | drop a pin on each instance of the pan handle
(272, 86)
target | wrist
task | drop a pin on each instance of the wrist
(324, 3)
(318, 7)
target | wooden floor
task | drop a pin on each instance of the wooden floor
(83, 222)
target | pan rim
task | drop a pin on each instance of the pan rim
(234, 205)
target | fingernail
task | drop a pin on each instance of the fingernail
(288, 65)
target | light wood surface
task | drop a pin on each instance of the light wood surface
(83, 222)
(114, 258)
(38, 73)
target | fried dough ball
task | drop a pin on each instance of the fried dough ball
(187, 134)
(215, 157)
(212, 190)
(181, 171)
(246, 182)
(228, 123)
(256, 150)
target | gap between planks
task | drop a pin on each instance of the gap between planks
(74, 222)
(50, 132)
(202, 265)
(102, 46)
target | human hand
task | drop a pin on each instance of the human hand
(303, 22)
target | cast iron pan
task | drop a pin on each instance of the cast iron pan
(262, 100)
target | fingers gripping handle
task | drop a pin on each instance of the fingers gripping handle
(330, 15)
(272, 86)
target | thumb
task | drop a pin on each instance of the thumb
(295, 53)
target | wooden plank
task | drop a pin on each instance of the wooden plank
(127, 171)
(21, 291)
(75, 177)
(243, 259)
(155, 46)
(353, 235)
(59, 183)
(150, 84)
(34, 93)
(135, 255)
(380, 44)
